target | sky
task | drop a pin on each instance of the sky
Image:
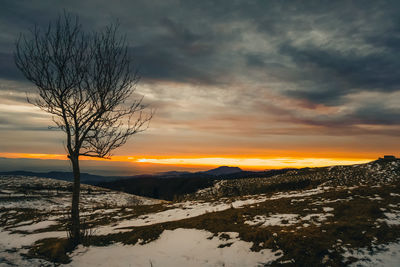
(254, 84)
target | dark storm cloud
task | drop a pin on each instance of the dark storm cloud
(317, 51)
(366, 115)
(345, 72)
(377, 114)
(178, 54)
(159, 64)
(8, 70)
(254, 60)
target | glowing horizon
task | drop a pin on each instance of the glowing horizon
(255, 163)
(211, 161)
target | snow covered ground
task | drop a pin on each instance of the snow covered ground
(179, 247)
(189, 209)
(51, 195)
(32, 209)
(384, 255)
(13, 247)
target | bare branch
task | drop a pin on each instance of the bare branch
(86, 81)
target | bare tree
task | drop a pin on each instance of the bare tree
(86, 81)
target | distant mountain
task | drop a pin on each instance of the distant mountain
(86, 178)
(171, 174)
(223, 170)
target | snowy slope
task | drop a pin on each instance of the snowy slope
(342, 222)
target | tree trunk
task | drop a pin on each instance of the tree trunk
(75, 220)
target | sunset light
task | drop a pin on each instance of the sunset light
(255, 163)
(243, 162)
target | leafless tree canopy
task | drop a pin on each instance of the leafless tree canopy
(86, 81)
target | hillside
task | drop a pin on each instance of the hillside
(174, 187)
(373, 173)
(342, 216)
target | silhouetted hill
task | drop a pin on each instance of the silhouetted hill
(171, 174)
(176, 187)
(223, 170)
(161, 188)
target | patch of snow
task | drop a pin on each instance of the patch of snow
(12, 241)
(23, 192)
(384, 255)
(23, 223)
(392, 218)
(12, 258)
(316, 218)
(180, 247)
(288, 219)
(36, 226)
(298, 200)
(182, 211)
(376, 197)
(274, 220)
(12, 248)
(327, 201)
(327, 209)
(303, 193)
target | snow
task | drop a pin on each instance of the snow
(23, 192)
(327, 209)
(274, 220)
(376, 197)
(326, 201)
(384, 255)
(12, 248)
(182, 211)
(27, 193)
(179, 247)
(12, 241)
(317, 218)
(36, 226)
(303, 193)
(288, 219)
(392, 218)
(190, 209)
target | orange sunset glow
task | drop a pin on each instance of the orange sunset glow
(250, 163)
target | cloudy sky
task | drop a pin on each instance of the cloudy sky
(258, 84)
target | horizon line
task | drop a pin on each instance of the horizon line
(248, 162)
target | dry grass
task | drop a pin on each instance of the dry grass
(52, 249)
(354, 225)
